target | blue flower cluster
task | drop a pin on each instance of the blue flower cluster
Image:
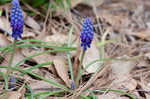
(87, 33)
(16, 18)
(13, 82)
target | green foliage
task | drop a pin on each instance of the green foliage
(1, 11)
(4, 1)
(45, 3)
(36, 3)
(61, 4)
(53, 4)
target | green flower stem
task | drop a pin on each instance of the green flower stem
(11, 60)
(79, 68)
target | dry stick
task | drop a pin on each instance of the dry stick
(42, 35)
(46, 19)
(95, 12)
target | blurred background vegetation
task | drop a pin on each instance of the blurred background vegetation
(42, 4)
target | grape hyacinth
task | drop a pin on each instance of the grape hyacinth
(13, 82)
(16, 18)
(87, 33)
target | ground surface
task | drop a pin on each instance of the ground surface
(122, 35)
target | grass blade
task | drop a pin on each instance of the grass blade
(40, 77)
(31, 91)
(69, 58)
(5, 79)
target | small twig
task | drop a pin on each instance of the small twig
(46, 19)
(97, 19)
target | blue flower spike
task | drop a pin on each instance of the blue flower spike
(13, 82)
(87, 33)
(16, 18)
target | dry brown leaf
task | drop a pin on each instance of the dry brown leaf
(41, 86)
(57, 39)
(62, 70)
(91, 55)
(147, 96)
(113, 19)
(111, 96)
(51, 76)
(13, 95)
(17, 57)
(32, 23)
(43, 58)
(39, 59)
(3, 41)
(142, 34)
(75, 2)
(88, 2)
(4, 24)
(108, 96)
(122, 67)
(125, 82)
(121, 70)
(147, 55)
(27, 34)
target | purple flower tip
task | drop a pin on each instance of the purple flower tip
(16, 18)
(87, 33)
(15, 2)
